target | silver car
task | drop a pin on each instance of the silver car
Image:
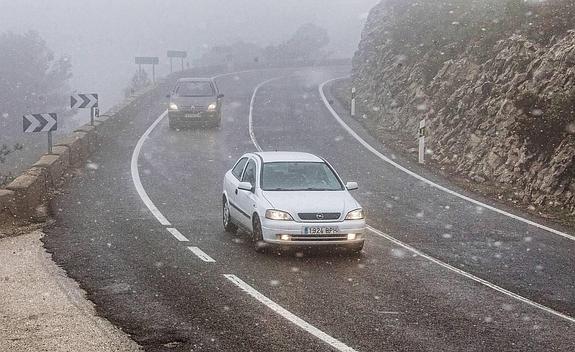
(195, 102)
(289, 198)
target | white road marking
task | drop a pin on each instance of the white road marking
(250, 116)
(136, 173)
(408, 247)
(177, 234)
(338, 345)
(136, 154)
(201, 254)
(471, 276)
(419, 177)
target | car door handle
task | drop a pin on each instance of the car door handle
(236, 191)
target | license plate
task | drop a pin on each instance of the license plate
(320, 230)
(192, 116)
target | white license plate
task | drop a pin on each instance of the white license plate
(192, 116)
(331, 230)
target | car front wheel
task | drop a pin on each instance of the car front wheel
(229, 226)
(257, 235)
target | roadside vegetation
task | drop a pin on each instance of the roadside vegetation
(32, 80)
(495, 81)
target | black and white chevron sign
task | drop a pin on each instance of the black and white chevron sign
(39, 123)
(83, 101)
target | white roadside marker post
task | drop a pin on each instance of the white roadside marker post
(353, 102)
(422, 141)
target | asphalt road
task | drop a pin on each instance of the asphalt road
(489, 282)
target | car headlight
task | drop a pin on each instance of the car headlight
(356, 214)
(173, 106)
(273, 214)
(212, 107)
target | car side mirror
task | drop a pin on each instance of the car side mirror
(246, 186)
(351, 186)
(220, 96)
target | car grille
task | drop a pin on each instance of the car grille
(194, 109)
(319, 216)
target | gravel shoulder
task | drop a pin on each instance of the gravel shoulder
(41, 309)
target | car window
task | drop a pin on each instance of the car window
(250, 173)
(195, 89)
(237, 170)
(299, 176)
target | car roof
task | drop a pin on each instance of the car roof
(269, 157)
(194, 79)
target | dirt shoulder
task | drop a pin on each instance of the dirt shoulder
(41, 309)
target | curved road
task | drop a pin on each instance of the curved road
(438, 273)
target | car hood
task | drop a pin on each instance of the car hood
(311, 201)
(197, 101)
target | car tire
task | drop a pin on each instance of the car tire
(257, 235)
(229, 226)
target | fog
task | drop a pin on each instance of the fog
(102, 37)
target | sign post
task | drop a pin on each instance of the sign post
(34, 123)
(353, 102)
(148, 60)
(177, 54)
(422, 133)
(85, 101)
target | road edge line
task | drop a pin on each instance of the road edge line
(136, 173)
(421, 178)
(470, 276)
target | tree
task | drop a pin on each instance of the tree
(139, 80)
(32, 80)
(306, 43)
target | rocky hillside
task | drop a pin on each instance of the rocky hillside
(495, 81)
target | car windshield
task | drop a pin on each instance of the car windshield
(195, 89)
(299, 176)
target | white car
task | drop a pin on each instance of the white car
(290, 198)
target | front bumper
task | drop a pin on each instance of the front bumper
(295, 231)
(193, 118)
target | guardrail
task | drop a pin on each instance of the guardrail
(21, 200)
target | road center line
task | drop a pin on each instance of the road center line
(471, 276)
(201, 254)
(136, 154)
(250, 116)
(338, 345)
(421, 178)
(177, 234)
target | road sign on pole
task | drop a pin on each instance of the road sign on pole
(83, 101)
(177, 54)
(33, 123)
(422, 133)
(148, 60)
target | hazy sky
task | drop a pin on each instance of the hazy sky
(103, 36)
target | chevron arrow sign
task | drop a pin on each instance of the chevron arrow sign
(83, 101)
(39, 123)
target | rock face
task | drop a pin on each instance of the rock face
(500, 110)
